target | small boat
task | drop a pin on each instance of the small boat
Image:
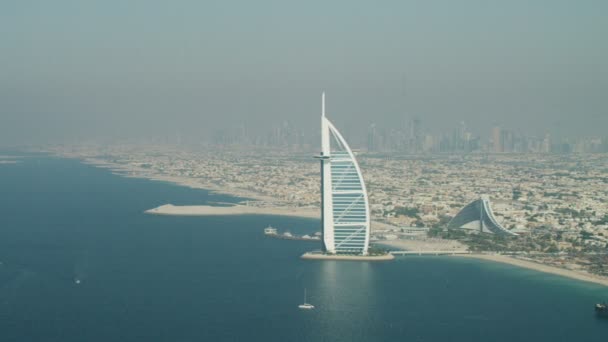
(601, 309)
(306, 306)
(270, 231)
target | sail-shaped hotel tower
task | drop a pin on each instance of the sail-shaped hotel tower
(345, 212)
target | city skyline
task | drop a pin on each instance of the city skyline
(165, 175)
(198, 68)
(412, 137)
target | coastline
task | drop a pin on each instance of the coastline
(426, 245)
(535, 266)
(208, 210)
(130, 171)
(430, 245)
(239, 209)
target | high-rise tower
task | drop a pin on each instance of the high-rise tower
(497, 139)
(345, 214)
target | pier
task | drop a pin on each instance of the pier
(405, 253)
(273, 233)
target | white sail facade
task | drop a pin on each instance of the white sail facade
(345, 206)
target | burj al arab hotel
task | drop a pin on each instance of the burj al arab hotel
(345, 214)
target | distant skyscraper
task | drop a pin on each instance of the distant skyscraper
(414, 136)
(497, 139)
(546, 147)
(428, 144)
(507, 140)
(371, 138)
(345, 211)
(462, 131)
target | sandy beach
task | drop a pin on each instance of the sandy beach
(429, 245)
(203, 210)
(238, 209)
(425, 245)
(207, 210)
(412, 245)
(578, 275)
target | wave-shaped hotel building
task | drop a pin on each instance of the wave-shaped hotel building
(478, 216)
(345, 213)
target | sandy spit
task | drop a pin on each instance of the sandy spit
(207, 210)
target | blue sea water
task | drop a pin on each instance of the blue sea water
(159, 278)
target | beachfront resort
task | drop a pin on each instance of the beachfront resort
(558, 204)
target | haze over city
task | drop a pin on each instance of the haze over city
(315, 170)
(104, 71)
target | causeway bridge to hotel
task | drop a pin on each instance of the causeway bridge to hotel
(403, 253)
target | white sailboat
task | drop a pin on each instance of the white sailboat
(306, 306)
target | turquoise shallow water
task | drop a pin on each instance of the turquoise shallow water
(158, 278)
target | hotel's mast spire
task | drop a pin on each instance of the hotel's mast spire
(324, 129)
(323, 104)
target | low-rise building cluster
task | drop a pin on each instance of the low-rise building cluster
(562, 199)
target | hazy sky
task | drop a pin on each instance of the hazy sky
(81, 69)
